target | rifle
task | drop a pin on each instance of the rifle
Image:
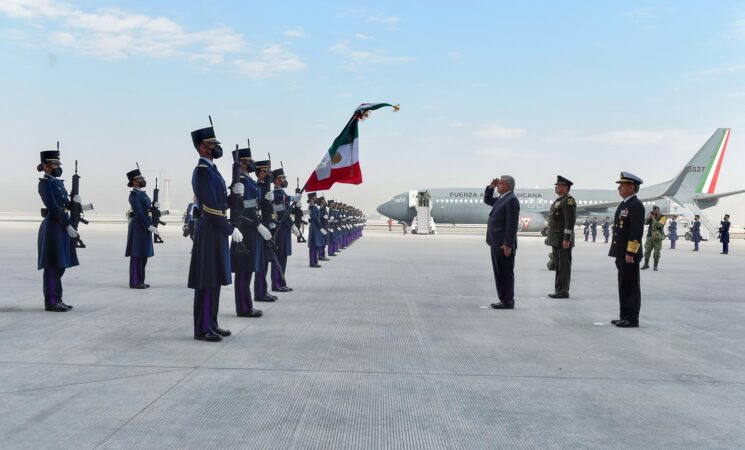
(155, 213)
(236, 201)
(76, 209)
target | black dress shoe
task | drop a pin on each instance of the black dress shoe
(502, 305)
(252, 313)
(138, 286)
(56, 308)
(266, 298)
(64, 304)
(324, 259)
(559, 295)
(222, 332)
(272, 296)
(146, 285)
(615, 321)
(317, 266)
(209, 337)
(627, 324)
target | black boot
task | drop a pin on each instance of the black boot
(646, 264)
(655, 265)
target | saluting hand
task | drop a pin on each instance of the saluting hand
(494, 183)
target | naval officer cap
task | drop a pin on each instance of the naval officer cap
(204, 135)
(243, 153)
(628, 177)
(278, 173)
(562, 180)
(131, 175)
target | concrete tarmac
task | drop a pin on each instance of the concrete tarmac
(389, 345)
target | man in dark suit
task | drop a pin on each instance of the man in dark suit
(501, 235)
(628, 228)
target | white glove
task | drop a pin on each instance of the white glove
(238, 189)
(71, 232)
(295, 231)
(296, 198)
(338, 229)
(156, 205)
(153, 230)
(323, 232)
(264, 232)
(269, 196)
(237, 236)
(77, 199)
(325, 216)
(299, 204)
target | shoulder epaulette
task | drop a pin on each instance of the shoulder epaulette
(202, 165)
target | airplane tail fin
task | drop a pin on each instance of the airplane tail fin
(701, 174)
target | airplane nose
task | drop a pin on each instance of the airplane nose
(386, 209)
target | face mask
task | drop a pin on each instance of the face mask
(217, 152)
(143, 183)
(284, 184)
(57, 172)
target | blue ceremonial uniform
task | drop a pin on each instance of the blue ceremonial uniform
(210, 255)
(315, 238)
(606, 230)
(282, 238)
(594, 229)
(56, 248)
(245, 265)
(724, 235)
(323, 214)
(696, 234)
(139, 238)
(672, 233)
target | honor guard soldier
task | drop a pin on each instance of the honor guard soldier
(315, 230)
(56, 234)
(191, 215)
(210, 255)
(655, 235)
(562, 218)
(724, 234)
(696, 232)
(139, 231)
(628, 228)
(251, 259)
(297, 217)
(284, 231)
(324, 216)
(606, 229)
(333, 235)
(672, 232)
(266, 208)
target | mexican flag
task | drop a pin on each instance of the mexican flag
(341, 164)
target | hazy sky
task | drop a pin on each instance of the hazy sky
(533, 89)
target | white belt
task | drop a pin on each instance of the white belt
(250, 203)
(279, 207)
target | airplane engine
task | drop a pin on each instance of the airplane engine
(531, 222)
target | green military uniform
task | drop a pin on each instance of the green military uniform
(655, 235)
(563, 216)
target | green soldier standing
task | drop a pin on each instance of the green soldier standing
(561, 222)
(655, 226)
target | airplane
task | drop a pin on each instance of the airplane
(693, 188)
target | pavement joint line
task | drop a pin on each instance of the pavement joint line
(173, 386)
(156, 399)
(381, 372)
(100, 380)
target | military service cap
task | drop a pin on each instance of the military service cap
(628, 177)
(243, 153)
(311, 196)
(204, 135)
(132, 174)
(50, 156)
(278, 173)
(265, 164)
(562, 180)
